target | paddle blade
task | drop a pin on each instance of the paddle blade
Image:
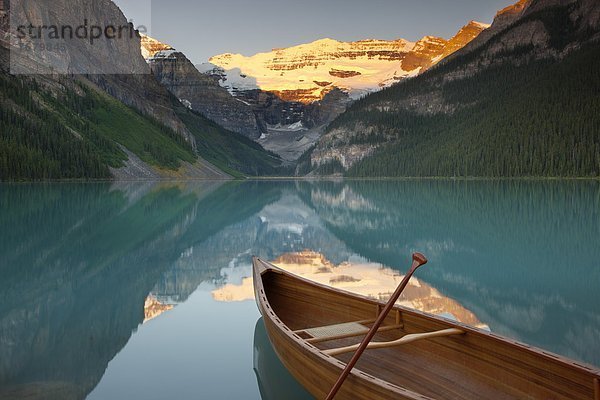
(419, 258)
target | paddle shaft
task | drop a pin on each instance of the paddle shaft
(418, 260)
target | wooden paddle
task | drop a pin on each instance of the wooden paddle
(418, 260)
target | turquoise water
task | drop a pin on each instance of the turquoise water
(84, 265)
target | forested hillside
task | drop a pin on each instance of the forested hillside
(540, 119)
(524, 102)
(37, 143)
(68, 129)
(231, 152)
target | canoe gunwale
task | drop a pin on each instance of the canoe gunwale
(261, 267)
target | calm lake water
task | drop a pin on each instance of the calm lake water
(141, 290)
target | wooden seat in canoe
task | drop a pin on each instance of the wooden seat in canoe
(343, 329)
(340, 331)
(349, 329)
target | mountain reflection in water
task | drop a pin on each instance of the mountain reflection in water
(357, 276)
(154, 308)
(84, 265)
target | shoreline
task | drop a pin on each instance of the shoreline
(311, 178)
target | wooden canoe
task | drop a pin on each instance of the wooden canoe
(306, 322)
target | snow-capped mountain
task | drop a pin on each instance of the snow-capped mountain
(285, 127)
(284, 99)
(307, 72)
(152, 47)
(249, 111)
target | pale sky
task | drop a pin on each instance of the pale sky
(203, 28)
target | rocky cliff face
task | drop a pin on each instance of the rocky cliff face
(198, 91)
(79, 53)
(115, 66)
(292, 127)
(3, 23)
(307, 72)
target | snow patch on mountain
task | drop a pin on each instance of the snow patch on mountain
(295, 127)
(232, 79)
(480, 24)
(186, 103)
(163, 54)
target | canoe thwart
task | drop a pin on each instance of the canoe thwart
(358, 333)
(317, 328)
(343, 330)
(347, 328)
(403, 340)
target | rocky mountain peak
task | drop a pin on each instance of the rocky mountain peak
(307, 72)
(198, 91)
(151, 47)
(476, 24)
(325, 42)
(464, 36)
(510, 14)
(533, 23)
(514, 9)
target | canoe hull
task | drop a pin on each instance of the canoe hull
(474, 365)
(317, 372)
